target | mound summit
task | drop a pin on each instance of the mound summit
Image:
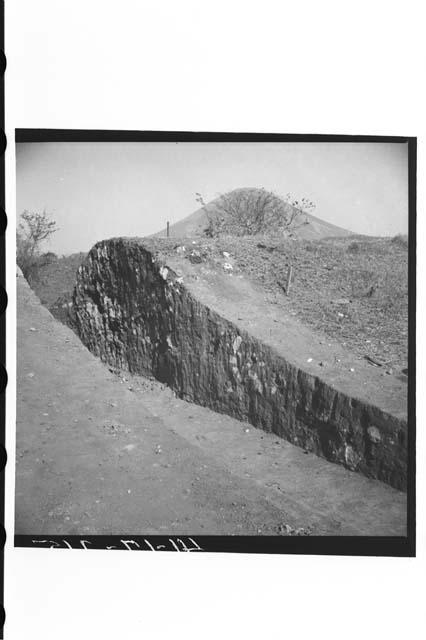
(195, 224)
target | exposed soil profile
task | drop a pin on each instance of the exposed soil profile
(210, 335)
(111, 453)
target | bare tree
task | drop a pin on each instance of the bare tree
(34, 229)
(245, 212)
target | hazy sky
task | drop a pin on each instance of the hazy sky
(101, 190)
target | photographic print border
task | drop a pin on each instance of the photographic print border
(308, 545)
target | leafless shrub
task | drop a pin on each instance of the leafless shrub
(248, 212)
(34, 229)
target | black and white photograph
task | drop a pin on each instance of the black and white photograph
(211, 320)
(212, 337)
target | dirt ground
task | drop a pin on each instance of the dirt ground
(101, 453)
(353, 290)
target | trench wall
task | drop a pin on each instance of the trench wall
(133, 312)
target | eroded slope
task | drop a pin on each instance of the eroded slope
(136, 312)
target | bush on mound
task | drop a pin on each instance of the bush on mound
(248, 212)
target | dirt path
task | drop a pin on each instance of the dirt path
(100, 454)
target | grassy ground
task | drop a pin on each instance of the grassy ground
(353, 289)
(57, 279)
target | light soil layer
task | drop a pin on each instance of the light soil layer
(99, 454)
(216, 341)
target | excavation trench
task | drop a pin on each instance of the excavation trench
(135, 313)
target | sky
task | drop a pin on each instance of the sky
(96, 191)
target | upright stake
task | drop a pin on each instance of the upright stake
(289, 276)
(167, 229)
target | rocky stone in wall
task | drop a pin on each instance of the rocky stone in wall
(135, 313)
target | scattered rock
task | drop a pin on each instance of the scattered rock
(228, 267)
(237, 343)
(352, 459)
(341, 301)
(260, 245)
(163, 272)
(372, 361)
(195, 257)
(374, 434)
